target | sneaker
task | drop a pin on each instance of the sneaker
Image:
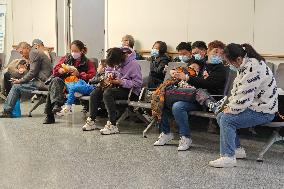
(240, 153)
(65, 111)
(224, 161)
(109, 129)
(184, 143)
(89, 125)
(217, 107)
(164, 139)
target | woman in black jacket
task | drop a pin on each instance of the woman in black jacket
(158, 59)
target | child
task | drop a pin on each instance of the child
(74, 85)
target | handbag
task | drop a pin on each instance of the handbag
(279, 116)
(174, 94)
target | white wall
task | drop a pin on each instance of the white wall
(30, 19)
(258, 22)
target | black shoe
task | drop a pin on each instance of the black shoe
(49, 119)
(6, 115)
(56, 109)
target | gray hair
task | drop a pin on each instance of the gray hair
(23, 45)
(131, 40)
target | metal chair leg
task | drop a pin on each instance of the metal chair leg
(123, 116)
(40, 101)
(274, 138)
(148, 127)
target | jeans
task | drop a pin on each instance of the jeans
(229, 123)
(180, 111)
(109, 97)
(15, 93)
(81, 87)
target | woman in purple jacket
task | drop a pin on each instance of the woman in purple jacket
(124, 73)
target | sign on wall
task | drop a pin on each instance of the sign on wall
(2, 27)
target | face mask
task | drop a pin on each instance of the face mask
(76, 55)
(233, 68)
(215, 59)
(155, 52)
(183, 58)
(197, 57)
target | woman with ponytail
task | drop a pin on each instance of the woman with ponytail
(70, 75)
(254, 101)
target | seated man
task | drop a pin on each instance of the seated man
(184, 52)
(40, 70)
(38, 44)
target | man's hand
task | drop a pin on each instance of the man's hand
(116, 81)
(205, 74)
(15, 81)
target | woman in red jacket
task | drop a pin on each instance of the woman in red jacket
(71, 67)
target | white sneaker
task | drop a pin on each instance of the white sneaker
(240, 153)
(65, 111)
(109, 129)
(164, 139)
(184, 143)
(224, 161)
(89, 125)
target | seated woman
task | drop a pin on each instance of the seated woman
(123, 73)
(159, 59)
(72, 67)
(254, 101)
(128, 41)
(184, 52)
(213, 80)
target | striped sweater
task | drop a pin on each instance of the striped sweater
(254, 88)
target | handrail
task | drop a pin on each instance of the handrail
(175, 53)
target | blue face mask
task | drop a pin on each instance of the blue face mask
(183, 58)
(155, 52)
(197, 57)
(233, 68)
(215, 59)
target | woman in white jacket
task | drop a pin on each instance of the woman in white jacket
(254, 101)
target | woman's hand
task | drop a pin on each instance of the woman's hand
(116, 81)
(75, 73)
(61, 71)
(227, 110)
(180, 75)
(15, 81)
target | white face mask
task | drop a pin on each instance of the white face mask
(76, 55)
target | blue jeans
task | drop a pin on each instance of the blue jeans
(15, 93)
(229, 123)
(81, 87)
(180, 111)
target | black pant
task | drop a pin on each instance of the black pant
(55, 95)
(7, 83)
(109, 96)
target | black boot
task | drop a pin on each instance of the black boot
(49, 119)
(56, 108)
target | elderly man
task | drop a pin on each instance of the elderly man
(40, 70)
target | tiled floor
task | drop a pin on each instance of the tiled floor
(33, 155)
